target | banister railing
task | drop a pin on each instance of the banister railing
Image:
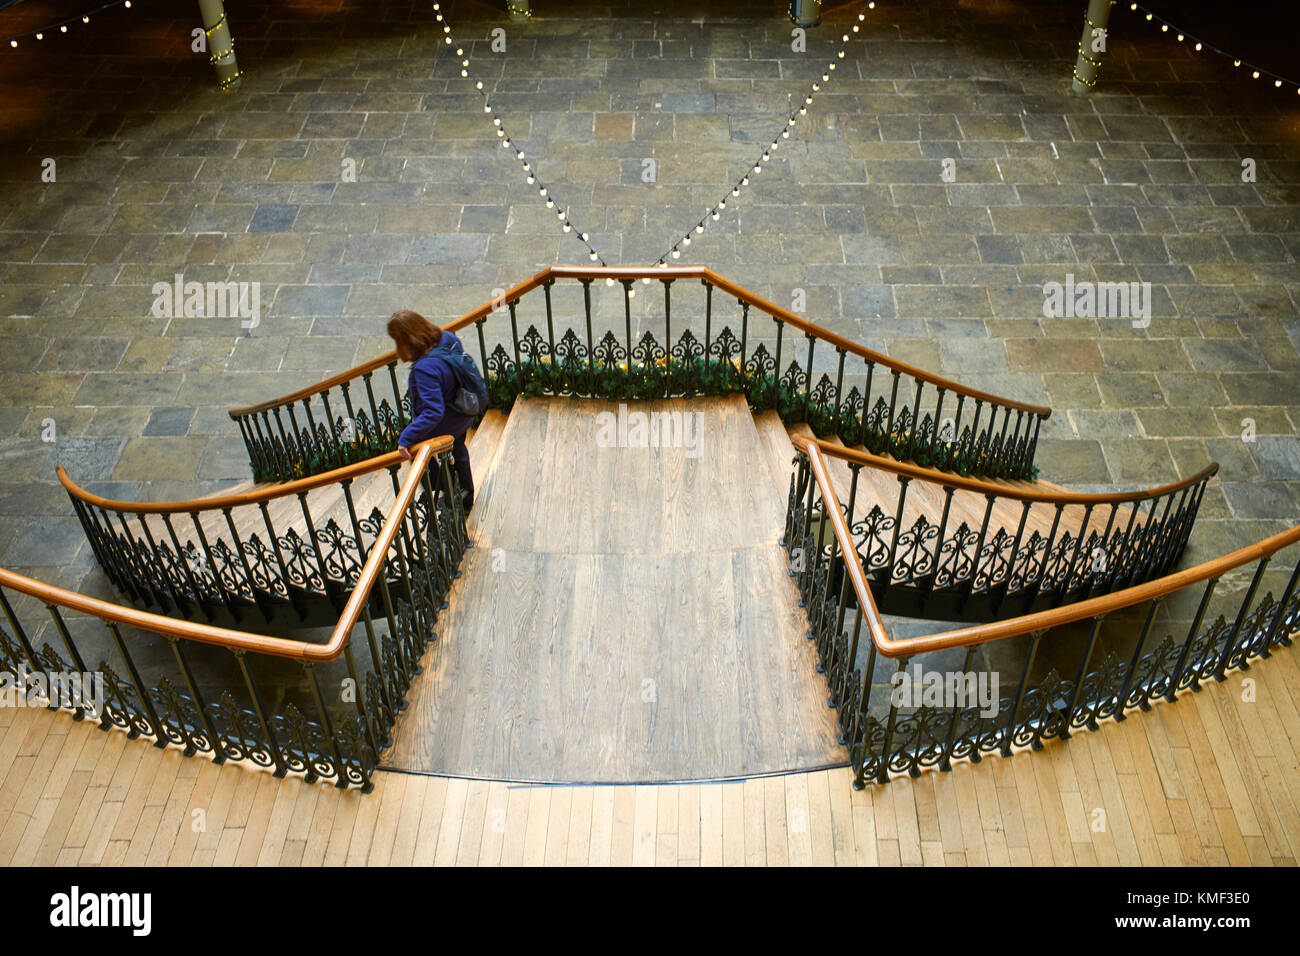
(708, 347)
(942, 546)
(253, 551)
(235, 695)
(1070, 667)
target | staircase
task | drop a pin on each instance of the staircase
(615, 609)
(649, 634)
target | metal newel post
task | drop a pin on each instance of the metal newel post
(806, 13)
(221, 48)
(1091, 45)
(518, 10)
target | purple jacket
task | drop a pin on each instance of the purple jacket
(430, 383)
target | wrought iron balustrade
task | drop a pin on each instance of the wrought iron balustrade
(710, 337)
(1068, 668)
(299, 545)
(222, 693)
(964, 549)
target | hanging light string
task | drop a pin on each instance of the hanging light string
(720, 206)
(530, 172)
(62, 25)
(1197, 45)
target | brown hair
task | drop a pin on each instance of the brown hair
(413, 333)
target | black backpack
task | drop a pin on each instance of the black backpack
(471, 398)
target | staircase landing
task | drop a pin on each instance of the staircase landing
(625, 615)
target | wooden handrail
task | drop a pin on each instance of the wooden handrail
(675, 272)
(993, 488)
(356, 469)
(243, 640)
(858, 577)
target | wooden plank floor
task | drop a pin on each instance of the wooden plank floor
(625, 616)
(1212, 779)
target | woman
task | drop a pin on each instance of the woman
(431, 381)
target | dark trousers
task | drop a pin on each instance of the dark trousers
(460, 463)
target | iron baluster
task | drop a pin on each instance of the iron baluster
(289, 589)
(514, 339)
(627, 317)
(216, 574)
(972, 450)
(1008, 732)
(776, 369)
(1131, 671)
(146, 704)
(550, 317)
(668, 333)
(1171, 692)
(938, 425)
(846, 671)
(482, 346)
(78, 707)
(256, 697)
(903, 482)
(744, 332)
(948, 491)
(19, 632)
(975, 558)
(340, 771)
(885, 752)
(839, 389)
(330, 592)
(916, 419)
(591, 345)
(1078, 680)
(1074, 560)
(1265, 649)
(205, 719)
(182, 557)
(399, 407)
(708, 315)
(807, 385)
(893, 402)
(866, 404)
(954, 717)
(1230, 643)
(337, 450)
(358, 699)
(1011, 564)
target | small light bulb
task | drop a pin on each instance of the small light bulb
(1255, 74)
(715, 215)
(40, 36)
(699, 228)
(609, 282)
(686, 241)
(593, 257)
(676, 254)
(1198, 46)
(567, 227)
(584, 237)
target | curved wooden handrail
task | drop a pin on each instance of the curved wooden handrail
(840, 527)
(675, 272)
(356, 469)
(243, 640)
(1093, 607)
(993, 488)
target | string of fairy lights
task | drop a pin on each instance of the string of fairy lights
(61, 27)
(716, 211)
(1198, 45)
(530, 171)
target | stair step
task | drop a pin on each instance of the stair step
(777, 448)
